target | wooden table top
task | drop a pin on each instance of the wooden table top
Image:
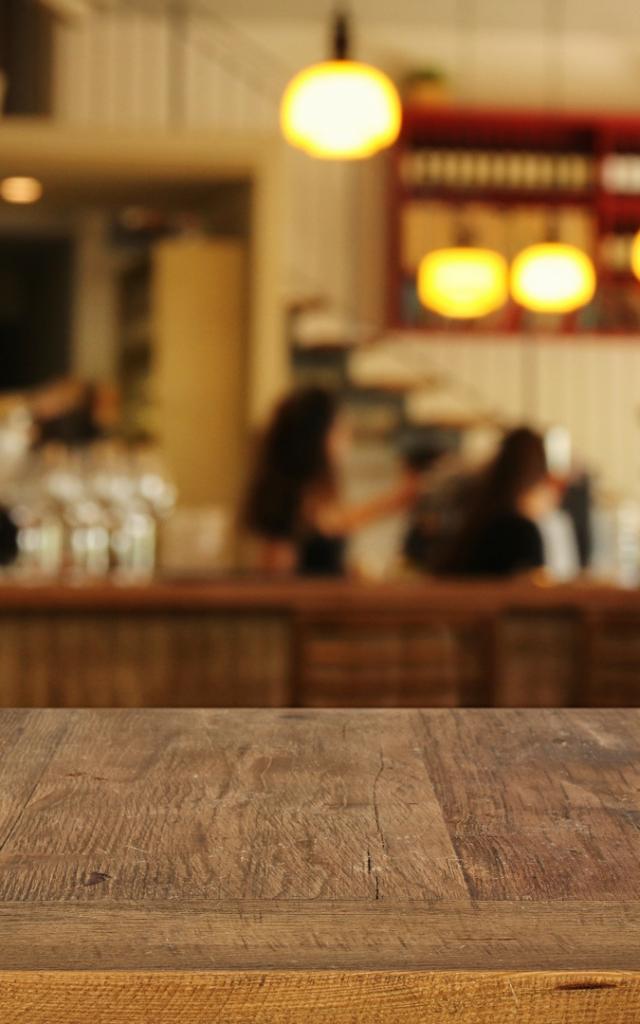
(319, 865)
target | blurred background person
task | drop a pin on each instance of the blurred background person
(500, 533)
(293, 506)
(442, 503)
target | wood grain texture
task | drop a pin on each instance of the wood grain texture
(319, 998)
(247, 642)
(312, 935)
(316, 596)
(307, 865)
(142, 659)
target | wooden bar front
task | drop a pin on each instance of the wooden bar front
(251, 643)
(308, 867)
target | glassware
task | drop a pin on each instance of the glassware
(90, 511)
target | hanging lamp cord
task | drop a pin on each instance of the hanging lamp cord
(341, 35)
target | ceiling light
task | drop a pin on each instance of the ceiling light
(20, 190)
(340, 108)
(552, 277)
(464, 282)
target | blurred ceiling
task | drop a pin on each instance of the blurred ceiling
(612, 17)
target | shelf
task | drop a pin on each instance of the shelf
(606, 144)
(504, 196)
(500, 124)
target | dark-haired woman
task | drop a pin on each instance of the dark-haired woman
(498, 535)
(293, 507)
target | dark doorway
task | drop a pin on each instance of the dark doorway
(35, 310)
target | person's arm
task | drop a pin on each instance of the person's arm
(337, 519)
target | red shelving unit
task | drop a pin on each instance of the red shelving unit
(587, 162)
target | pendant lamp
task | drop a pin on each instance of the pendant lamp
(341, 108)
(463, 282)
(635, 255)
(552, 277)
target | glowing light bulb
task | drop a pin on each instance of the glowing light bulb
(552, 277)
(341, 109)
(463, 283)
(20, 190)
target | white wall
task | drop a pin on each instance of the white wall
(117, 69)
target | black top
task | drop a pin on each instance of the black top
(508, 545)
(320, 554)
(8, 538)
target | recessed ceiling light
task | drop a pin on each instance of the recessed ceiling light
(21, 190)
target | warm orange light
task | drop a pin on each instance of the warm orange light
(341, 109)
(20, 190)
(552, 278)
(463, 283)
(635, 255)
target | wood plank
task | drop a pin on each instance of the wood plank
(238, 805)
(319, 998)
(412, 598)
(540, 805)
(182, 866)
(28, 741)
(313, 935)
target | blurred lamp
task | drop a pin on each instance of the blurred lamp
(20, 190)
(464, 282)
(635, 255)
(340, 108)
(552, 277)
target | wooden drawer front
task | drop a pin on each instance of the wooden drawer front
(537, 659)
(358, 664)
(614, 676)
(144, 660)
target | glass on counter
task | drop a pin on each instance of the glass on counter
(89, 512)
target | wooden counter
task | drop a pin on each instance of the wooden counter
(249, 642)
(261, 867)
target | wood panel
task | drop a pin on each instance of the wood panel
(416, 866)
(337, 644)
(144, 660)
(375, 660)
(307, 935)
(613, 662)
(532, 800)
(538, 659)
(319, 998)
